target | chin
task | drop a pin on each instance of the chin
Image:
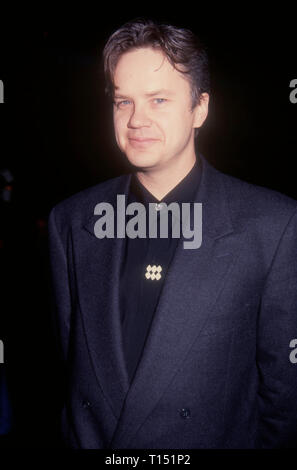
(143, 160)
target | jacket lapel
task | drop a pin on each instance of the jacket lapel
(180, 315)
(98, 269)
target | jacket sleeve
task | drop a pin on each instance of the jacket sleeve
(5, 405)
(277, 327)
(61, 298)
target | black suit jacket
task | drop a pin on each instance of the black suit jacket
(215, 371)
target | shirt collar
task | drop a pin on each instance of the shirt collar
(184, 191)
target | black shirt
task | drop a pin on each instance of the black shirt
(140, 291)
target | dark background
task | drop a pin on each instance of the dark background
(56, 138)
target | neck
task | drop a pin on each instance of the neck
(160, 181)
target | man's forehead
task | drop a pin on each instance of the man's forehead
(146, 71)
(148, 93)
(143, 62)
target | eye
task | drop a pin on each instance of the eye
(122, 104)
(159, 100)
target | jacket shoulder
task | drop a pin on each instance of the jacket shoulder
(77, 207)
(254, 201)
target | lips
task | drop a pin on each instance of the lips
(142, 139)
(142, 142)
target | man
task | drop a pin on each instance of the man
(163, 346)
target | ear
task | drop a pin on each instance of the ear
(201, 110)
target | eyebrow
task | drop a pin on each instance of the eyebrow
(163, 91)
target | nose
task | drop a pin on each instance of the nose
(138, 118)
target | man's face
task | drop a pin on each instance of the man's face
(153, 120)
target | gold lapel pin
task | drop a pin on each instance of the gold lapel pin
(153, 272)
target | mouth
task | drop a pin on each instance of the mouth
(141, 142)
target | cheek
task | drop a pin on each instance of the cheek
(175, 126)
(119, 127)
(117, 123)
(167, 123)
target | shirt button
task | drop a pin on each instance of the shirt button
(86, 404)
(158, 206)
(185, 413)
